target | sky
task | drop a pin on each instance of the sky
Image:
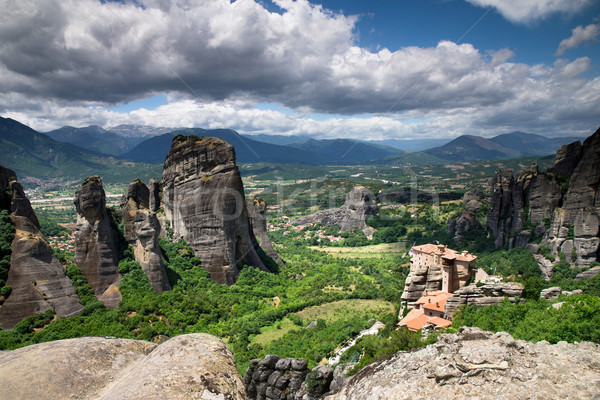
(378, 69)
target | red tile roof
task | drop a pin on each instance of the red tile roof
(416, 319)
(445, 252)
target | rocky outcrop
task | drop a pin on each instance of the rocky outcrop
(154, 195)
(551, 293)
(141, 230)
(286, 378)
(477, 364)
(36, 277)
(95, 242)
(195, 366)
(466, 221)
(204, 201)
(257, 213)
(590, 273)
(360, 204)
(485, 295)
(561, 205)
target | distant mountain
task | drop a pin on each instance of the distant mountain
(279, 139)
(247, 150)
(345, 150)
(469, 147)
(136, 134)
(510, 145)
(316, 152)
(531, 144)
(410, 144)
(33, 154)
(93, 138)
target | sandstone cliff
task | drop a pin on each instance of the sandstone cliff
(141, 229)
(257, 212)
(480, 365)
(95, 242)
(195, 366)
(561, 205)
(204, 202)
(36, 277)
(360, 204)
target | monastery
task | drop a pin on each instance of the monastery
(429, 263)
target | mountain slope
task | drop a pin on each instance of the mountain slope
(530, 144)
(92, 137)
(345, 150)
(469, 147)
(33, 154)
(247, 150)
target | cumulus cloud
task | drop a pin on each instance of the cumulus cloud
(527, 11)
(67, 61)
(578, 36)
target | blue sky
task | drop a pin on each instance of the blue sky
(337, 68)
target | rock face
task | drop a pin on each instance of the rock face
(154, 193)
(36, 277)
(257, 212)
(95, 250)
(477, 364)
(195, 366)
(485, 295)
(204, 201)
(561, 205)
(286, 378)
(141, 230)
(360, 204)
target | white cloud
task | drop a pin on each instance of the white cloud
(527, 11)
(578, 36)
(65, 62)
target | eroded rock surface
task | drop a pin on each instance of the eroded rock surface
(95, 250)
(485, 295)
(204, 201)
(477, 364)
(195, 366)
(141, 230)
(37, 278)
(257, 212)
(360, 204)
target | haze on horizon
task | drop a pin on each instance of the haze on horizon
(351, 69)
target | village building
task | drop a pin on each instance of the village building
(436, 272)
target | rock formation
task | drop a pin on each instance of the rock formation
(360, 204)
(204, 201)
(485, 295)
(562, 205)
(194, 366)
(154, 193)
(286, 378)
(141, 229)
(95, 249)
(257, 212)
(466, 221)
(477, 364)
(36, 277)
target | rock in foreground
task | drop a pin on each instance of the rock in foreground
(481, 365)
(195, 366)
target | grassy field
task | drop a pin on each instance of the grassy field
(378, 250)
(328, 312)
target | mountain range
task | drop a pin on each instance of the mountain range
(75, 152)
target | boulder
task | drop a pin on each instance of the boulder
(95, 237)
(551, 293)
(194, 366)
(590, 273)
(203, 198)
(484, 295)
(141, 230)
(477, 364)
